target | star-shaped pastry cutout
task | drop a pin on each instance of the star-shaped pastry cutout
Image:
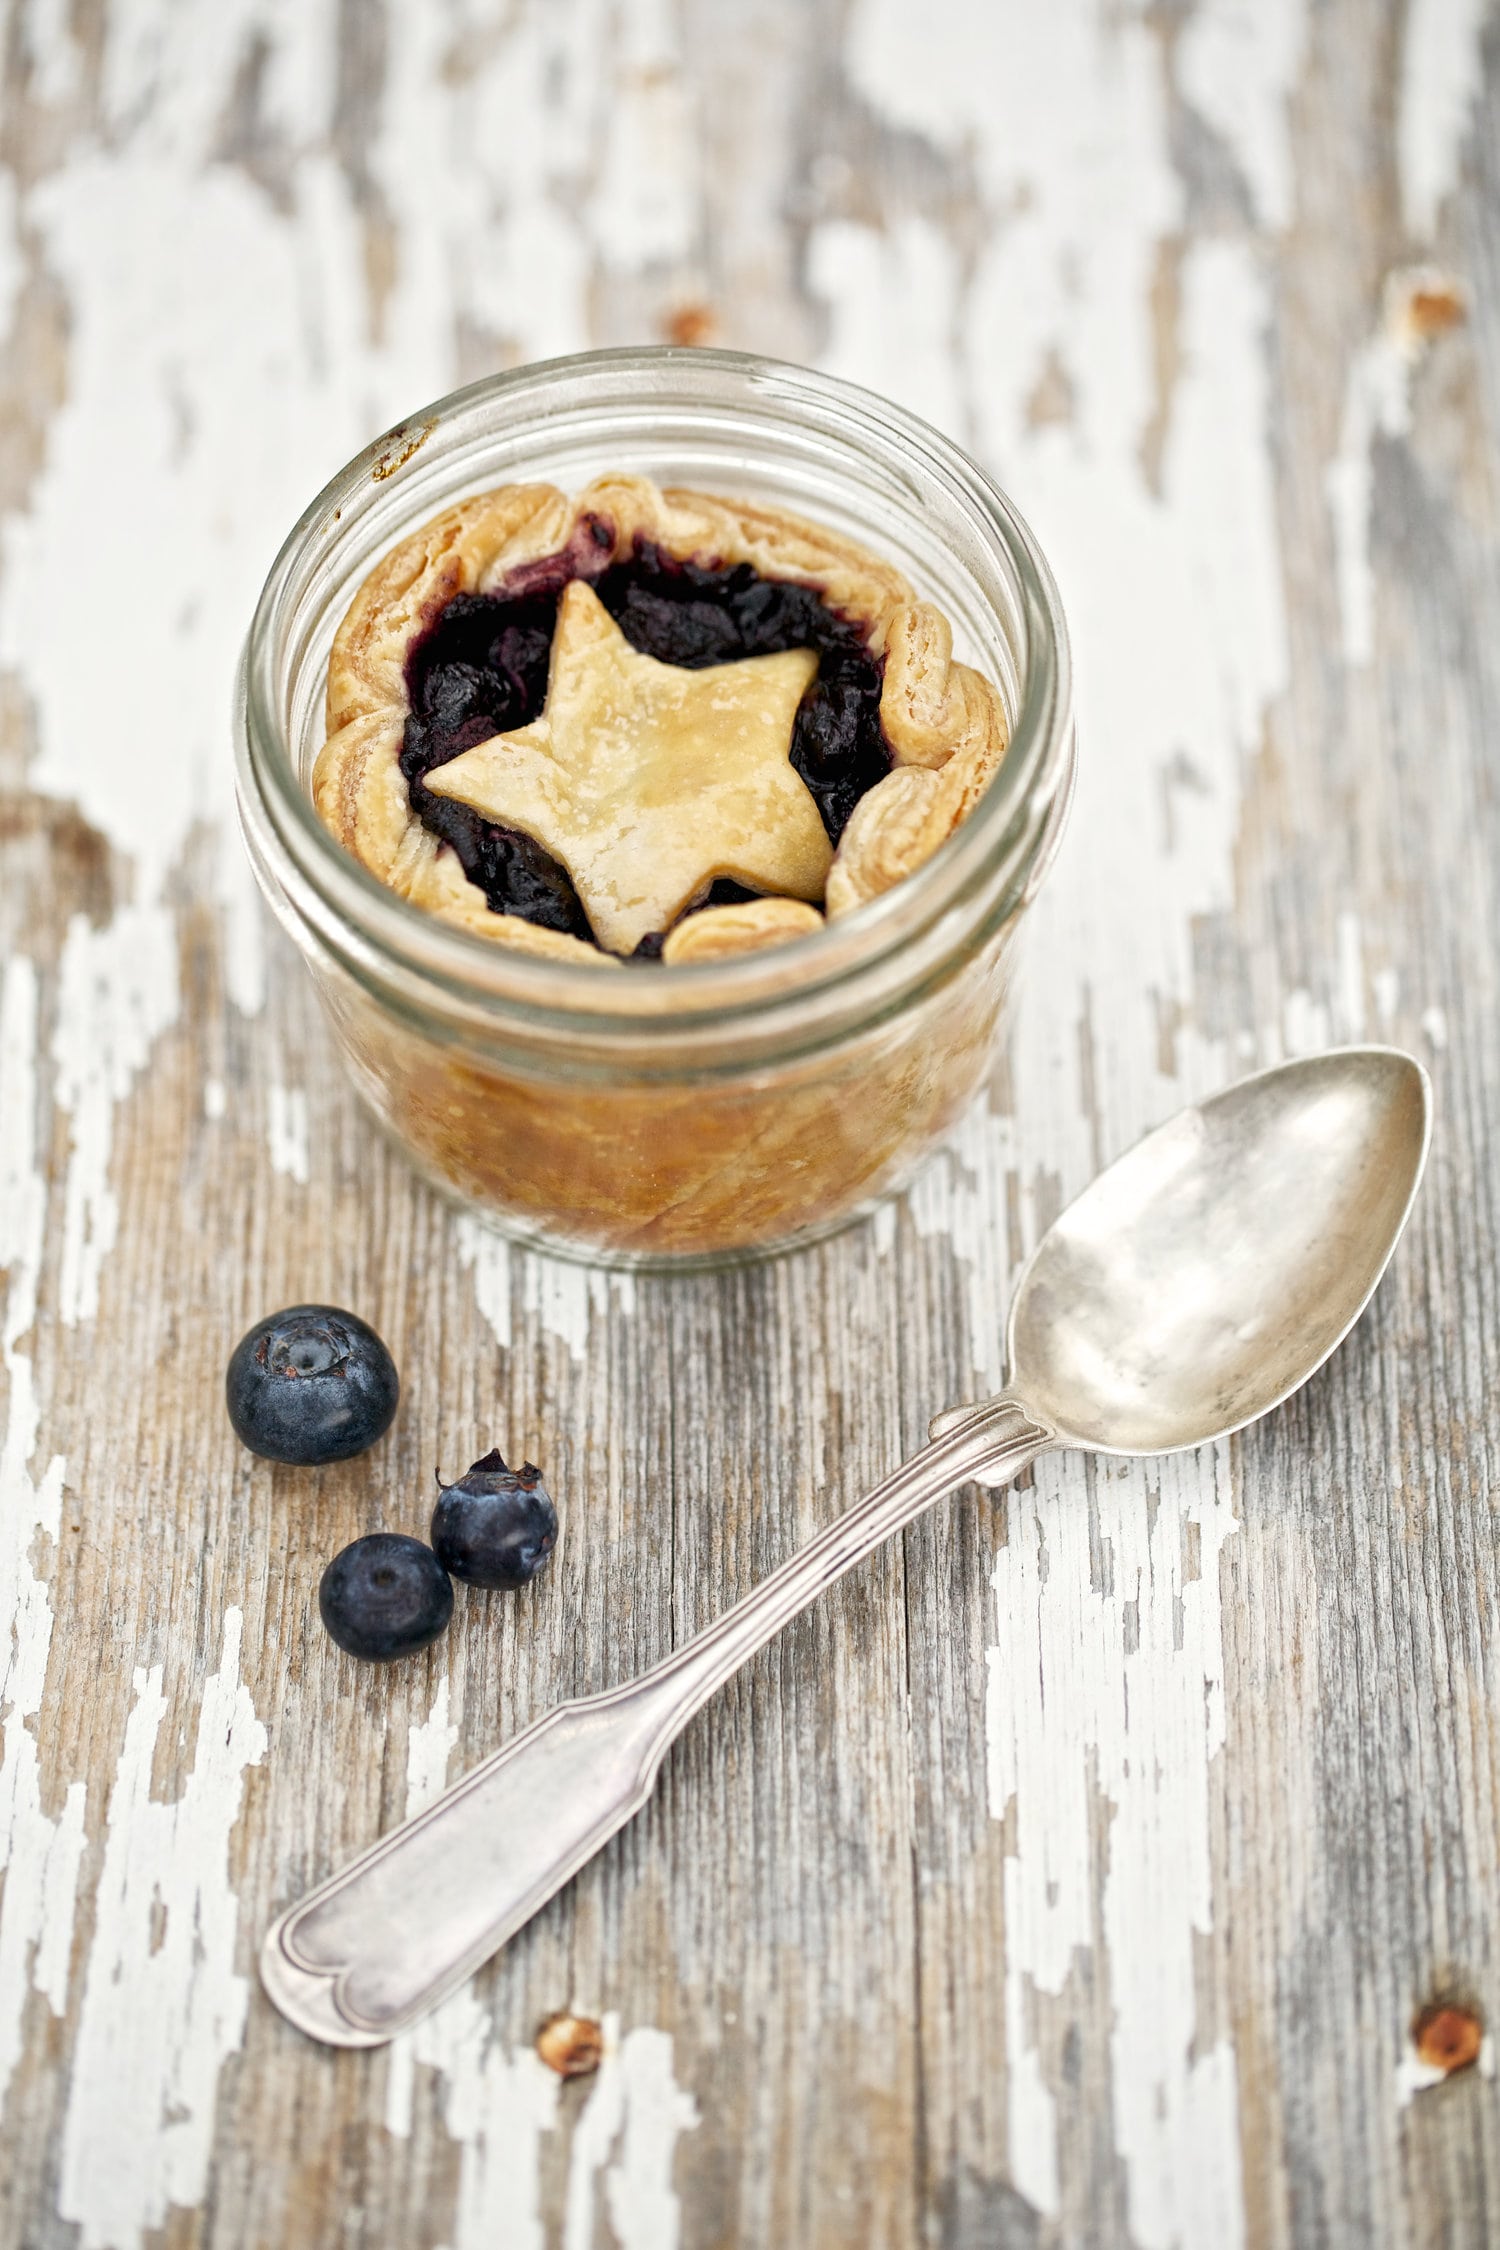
(648, 781)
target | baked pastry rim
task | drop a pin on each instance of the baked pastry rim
(946, 723)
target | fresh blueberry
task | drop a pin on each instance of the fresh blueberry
(386, 1596)
(311, 1384)
(495, 1526)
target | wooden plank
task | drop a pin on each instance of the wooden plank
(1075, 1872)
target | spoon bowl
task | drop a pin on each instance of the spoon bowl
(1206, 1274)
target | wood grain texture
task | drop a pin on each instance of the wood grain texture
(1073, 1874)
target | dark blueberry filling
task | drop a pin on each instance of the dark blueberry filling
(481, 669)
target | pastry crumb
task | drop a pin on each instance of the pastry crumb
(691, 323)
(1448, 2037)
(571, 2045)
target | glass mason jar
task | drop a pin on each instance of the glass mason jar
(693, 1114)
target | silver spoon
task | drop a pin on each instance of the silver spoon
(1192, 1287)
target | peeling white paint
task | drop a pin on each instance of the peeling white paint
(163, 2003)
(12, 263)
(39, 1853)
(1237, 62)
(117, 992)
(629, 2133)
(648, 195)
(428, 1750)
(287, 1132)
(1305, 1027)
(1413, 2076)
(487, 1256)
(500, 193)
(1377, 404)
(883, 1227)
(178, 407)
(52, 51)
(1350, 979)
(1442, 73)
(247, 928)
(961, 1194)
(1122, 1663)
(864, 271)
(215, 1100)
(429, 1746)
(1435, 1028)
(564, 1299)
(1386, 986)
(497, 2105)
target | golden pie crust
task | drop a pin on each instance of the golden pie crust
(944, 722)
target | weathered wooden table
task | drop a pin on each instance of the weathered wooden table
(1077, 1872)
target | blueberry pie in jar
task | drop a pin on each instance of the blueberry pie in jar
(645, 725)
(603, 747)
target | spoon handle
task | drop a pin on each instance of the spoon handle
(410, 1919)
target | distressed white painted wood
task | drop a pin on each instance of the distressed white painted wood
(1075, 1875)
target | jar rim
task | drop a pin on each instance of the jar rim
(378, 934)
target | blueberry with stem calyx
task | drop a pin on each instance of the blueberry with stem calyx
(311, 1384)
(385, 1596)
(494, 1526)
